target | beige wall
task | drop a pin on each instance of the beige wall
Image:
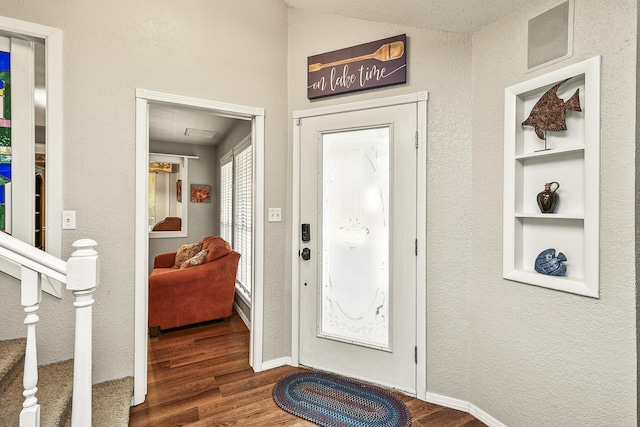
(637, 212)
(440, 63)
(541, 357)
(232, 52)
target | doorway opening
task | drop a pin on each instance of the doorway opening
(154, 111)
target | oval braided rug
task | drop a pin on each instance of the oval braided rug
(332, 401)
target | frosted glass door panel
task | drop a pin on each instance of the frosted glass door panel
(355, 236)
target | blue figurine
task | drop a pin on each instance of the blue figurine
(548, 263)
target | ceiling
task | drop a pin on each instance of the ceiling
(167, 123)
(462, 16)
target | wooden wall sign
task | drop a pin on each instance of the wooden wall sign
(366, 66)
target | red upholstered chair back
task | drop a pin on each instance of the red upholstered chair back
(217, 246)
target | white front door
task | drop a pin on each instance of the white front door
(357, 269)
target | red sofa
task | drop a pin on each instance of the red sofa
(181, 295)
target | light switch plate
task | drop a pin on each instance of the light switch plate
(68, 220)
(275, 215)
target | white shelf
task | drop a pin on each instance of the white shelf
(549, 153)
(566, 284)
(573, 160)
(548, 216)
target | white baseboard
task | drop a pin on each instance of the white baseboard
(484, 417)
(276, 363)
(462, 405)
(448, 402)
(242, 316)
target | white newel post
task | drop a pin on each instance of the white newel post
(83, 271)
(30, 296)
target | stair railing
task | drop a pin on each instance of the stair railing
(80, 273)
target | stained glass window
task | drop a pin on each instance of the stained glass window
(5, 132)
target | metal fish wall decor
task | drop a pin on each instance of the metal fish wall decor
(547, 262)
(549, 113)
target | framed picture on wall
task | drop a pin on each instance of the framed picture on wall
(200, 193)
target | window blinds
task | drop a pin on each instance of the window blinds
(243, 215)
(226, 200)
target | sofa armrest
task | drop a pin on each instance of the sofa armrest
(164, 260)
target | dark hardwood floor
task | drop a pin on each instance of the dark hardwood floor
(200, 376)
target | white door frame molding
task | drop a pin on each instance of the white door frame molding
(419, 98)
(53, 44)
(256, 115)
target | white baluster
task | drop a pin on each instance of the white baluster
(30, 295)
(83, 272)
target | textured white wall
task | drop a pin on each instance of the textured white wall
(440, 63)
(541, 357)
(637, 212)
(225, 51)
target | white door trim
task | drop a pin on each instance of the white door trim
(53, 44)
(141, 233)
(420, 98)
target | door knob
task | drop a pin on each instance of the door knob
(306, 254)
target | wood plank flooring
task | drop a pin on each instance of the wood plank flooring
(200, 376)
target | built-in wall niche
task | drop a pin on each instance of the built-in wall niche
(570, 158)
(168, 211)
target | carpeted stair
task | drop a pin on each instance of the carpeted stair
(111, 399)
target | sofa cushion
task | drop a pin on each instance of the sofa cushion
(217, 246)
(186, 251)
(197, 259)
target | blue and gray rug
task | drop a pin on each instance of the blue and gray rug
(332, 401)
